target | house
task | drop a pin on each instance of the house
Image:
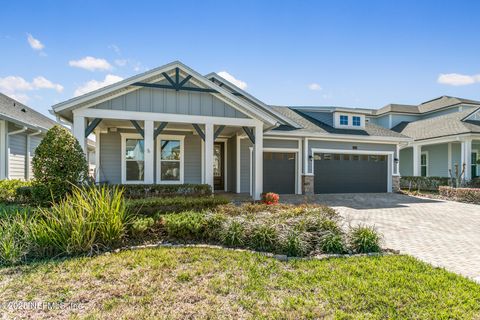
(21, 130)
(172, 125)
(445, 133)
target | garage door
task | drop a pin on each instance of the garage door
(279, 172)
(349, 173)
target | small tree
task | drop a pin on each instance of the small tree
(59, 163)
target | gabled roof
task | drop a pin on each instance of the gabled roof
(313, 126)
(446, 125)
(14, 111)
(443, 102)
(257, 112)
(248, 97)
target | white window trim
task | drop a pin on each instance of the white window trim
(182, 156)
(426, 163)
(478, 157)
(340, 120)
(359, 124)
(349, 124)
(124, 137)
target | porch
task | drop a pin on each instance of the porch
(440, 157)
(207, 151)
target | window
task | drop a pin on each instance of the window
(474, 164)
(344, 120)
(356, 121)
(424, 164)
(133, 164)
(170, 159)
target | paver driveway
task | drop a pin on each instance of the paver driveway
(443, 233)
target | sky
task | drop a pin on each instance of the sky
(322, 53)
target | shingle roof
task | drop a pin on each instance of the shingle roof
(311, 126)
(442, 102)
(441, 126)
(15, 111)
(393, 107)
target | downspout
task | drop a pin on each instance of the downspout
(7, 169)
(27, 161)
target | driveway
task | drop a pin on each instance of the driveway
(442, 233)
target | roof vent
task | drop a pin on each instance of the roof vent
(23, 110)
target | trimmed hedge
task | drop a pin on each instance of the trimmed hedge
(138, 191)
(151, 206)
(424, 183)
(471, 195)
(8, 189)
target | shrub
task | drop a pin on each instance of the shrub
(213, 226)
(233, 235)
(24, 194)
(140, 191)
(332, 243)
(141, 225)
(150, 206)
(471, 195)
(364, 239)
(294, 244)
(270, 198)
(264, 237)
(8, 189)
(474, 183)
(423, 183)
(185, 226)
(87, 220)
(58, 164)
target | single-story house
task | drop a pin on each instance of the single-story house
(21, 130)
(172, 125)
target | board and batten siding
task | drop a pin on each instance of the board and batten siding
(245, 174)
(110, 167)
(172, 102)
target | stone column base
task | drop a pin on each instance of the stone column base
(307, 184)
(395, 183)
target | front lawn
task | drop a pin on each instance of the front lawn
(214, 283)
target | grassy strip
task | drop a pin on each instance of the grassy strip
(210, 283)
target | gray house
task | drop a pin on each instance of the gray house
(21, 130)
(172, 125)
(445, 133)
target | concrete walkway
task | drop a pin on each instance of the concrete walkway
(442, 233)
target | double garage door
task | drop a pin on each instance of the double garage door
(350, 173)
(334, 173)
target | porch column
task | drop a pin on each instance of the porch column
(79, 125)
(417, 151)
(467, 158)
(97, 155)
(258, 186)
(397, 164)
(3, 149)
(148, 152)
(209, 154)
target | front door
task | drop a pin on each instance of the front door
(218, 166)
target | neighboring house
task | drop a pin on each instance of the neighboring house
(173, 125)
(21, 130)
(445, 133)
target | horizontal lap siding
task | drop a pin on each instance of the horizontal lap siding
(34, 142)
(17, 145)
(406, 162)
(437, 160)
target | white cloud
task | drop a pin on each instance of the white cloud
(227, 76)
(16, 87)
(43, 83)
(34, 43)
(314, 87)
(95, 84)
(456, 79)
(91, 64)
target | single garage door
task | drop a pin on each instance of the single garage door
(350, 173)
(279, 172)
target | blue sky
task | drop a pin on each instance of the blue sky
(346, 53)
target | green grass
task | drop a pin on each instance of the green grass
(214, 283)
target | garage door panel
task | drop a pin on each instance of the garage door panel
(279, 172)
(335, 173)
